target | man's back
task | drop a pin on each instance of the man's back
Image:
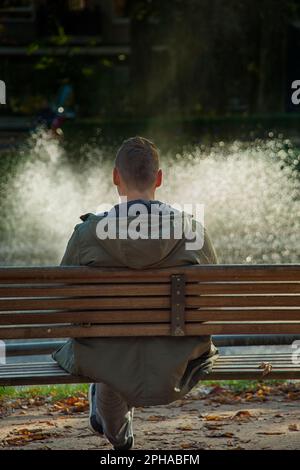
(145, 371)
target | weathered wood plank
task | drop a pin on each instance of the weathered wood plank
(89, 290)
(146, 316)
(126, 289)
(159, 329)
(83, 275)
(160, 302)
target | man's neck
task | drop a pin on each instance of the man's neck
(137, 195)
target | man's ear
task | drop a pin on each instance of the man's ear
(159, 177)
(116, 177)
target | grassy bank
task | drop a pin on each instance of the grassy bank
(58, 392)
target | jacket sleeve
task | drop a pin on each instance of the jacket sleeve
(72, 253)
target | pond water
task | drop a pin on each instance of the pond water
(250, 192)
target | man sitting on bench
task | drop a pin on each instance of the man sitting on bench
(136, 371)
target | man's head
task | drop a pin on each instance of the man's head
(136, 173)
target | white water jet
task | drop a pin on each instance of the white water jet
(252, 203)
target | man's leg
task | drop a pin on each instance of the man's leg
(114, 415)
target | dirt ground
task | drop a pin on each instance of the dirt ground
(208, 418)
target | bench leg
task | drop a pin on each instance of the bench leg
(114, 415)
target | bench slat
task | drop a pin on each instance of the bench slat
(240, 288)
(85, 303)
(102, 290)
(213, 273)
(225, 368)
(146, 316)
(150, 302)
(89, 290)
(246, 359)
(162, 329)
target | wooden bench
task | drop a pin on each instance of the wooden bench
(77, 302)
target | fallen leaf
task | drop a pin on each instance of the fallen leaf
(270, 433)
(185, 446)
(213, 426)
(21, 437)
(220, 434)
(74, 404)
(293, 395)
(293, 427)
(213, 417)
(243, 415)
(185, 428)
(267, 368)
(155, 418)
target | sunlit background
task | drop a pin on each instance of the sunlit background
(209, 81)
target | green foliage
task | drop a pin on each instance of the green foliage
(61, 39)
(55, 392)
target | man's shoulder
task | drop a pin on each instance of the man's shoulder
(91, 216)
(88, 223)
(86, 216)
(83, 225)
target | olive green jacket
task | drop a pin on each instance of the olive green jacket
(146, 371)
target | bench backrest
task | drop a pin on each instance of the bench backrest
(60, 302)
